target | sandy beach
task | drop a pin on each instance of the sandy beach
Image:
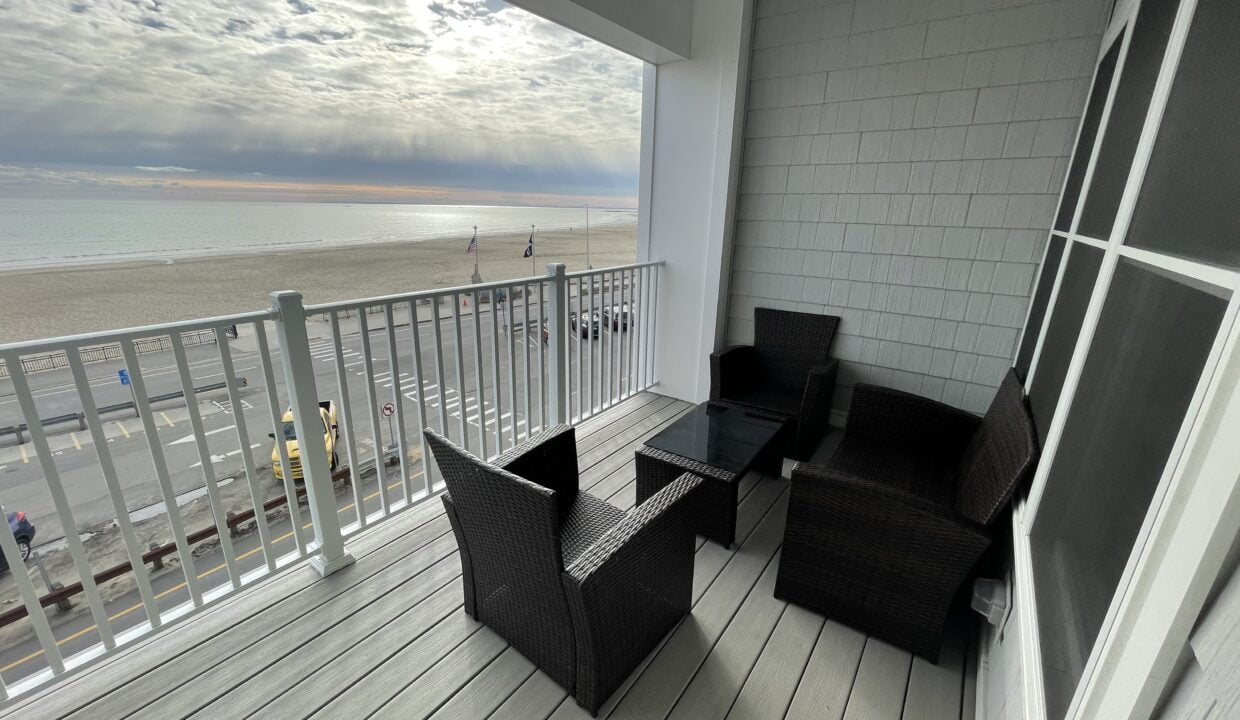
(63, 300)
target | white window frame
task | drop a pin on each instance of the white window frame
(1120, 654)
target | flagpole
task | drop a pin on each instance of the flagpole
(477, 251)
(588, 265)
(533, 260)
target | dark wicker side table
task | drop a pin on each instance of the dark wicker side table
(718, 443)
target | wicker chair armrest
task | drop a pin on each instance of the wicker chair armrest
(819, 389)
(886, 415)
(875, 557)
(906, 524)
(731, 365)
(629, 539)
(548, 459)
(629, 589)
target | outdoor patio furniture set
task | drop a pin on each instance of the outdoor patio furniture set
(881, 537)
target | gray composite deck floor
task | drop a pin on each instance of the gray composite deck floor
(387, 637)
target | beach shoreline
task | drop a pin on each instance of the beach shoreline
(72, 264)
(64, 299)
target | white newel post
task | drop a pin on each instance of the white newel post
(303, 396)
(557, 398)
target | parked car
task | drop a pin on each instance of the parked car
(586, 326)
(617, 316)
(23, 533)
(331, 436)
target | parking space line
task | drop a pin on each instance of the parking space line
(25, 457)
(121, 425)
(167, 419)
(77, 445)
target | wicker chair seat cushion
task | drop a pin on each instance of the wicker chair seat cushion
(586, 521)
(909, 471)
(782, 401)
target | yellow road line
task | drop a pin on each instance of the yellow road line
(167, 419)
(181, 585)
(121, 425)
(25, 457)
(76, 445)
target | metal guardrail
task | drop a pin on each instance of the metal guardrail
(80, 417)
(112, 351)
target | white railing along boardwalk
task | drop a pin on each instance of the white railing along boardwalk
(487, 365)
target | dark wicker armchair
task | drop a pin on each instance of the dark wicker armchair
(785, 374)
(883, 536)
(580, 588)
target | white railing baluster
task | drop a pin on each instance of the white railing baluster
(589, 387)
(627, 319)
(584, 327)
(437, 334)
(462, 397)
(480, 392)
(654, 325)
(512, 364)
(609, 301)
(622, 324)
(398, 401)
(163, 477)
(557, 382)
(495, 378)
(277, 426)
(204, 458)
(243, 443)
(30, 597)
(115, 493)
(419, 382)
(543, 330)
(344, 414)
(640, 337)
(56, 488)
(372, 407)
(525, 342)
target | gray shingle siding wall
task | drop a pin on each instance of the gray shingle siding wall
(902, 164)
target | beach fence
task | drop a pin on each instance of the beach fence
(112, 351)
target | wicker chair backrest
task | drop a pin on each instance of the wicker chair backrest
(510, 524)
(789, 343)
(1002, 453)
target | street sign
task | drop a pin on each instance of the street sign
(388, 409)
(124, 376)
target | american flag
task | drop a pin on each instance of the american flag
(529, 249)
(473, 244)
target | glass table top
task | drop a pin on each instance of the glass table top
(725, 437)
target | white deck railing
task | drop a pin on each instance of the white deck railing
(487, 365)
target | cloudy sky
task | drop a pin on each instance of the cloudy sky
(386, 100)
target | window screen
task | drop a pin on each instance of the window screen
(1123, 128)
(1152, 341)
(1065, 325)
(1089, 132)
(1037, 311)
(1187, 204)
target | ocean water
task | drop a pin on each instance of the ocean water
(53, 232)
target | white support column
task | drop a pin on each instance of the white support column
(303, 396)
(557, 397)
(692, 113)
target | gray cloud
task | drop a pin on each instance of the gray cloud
(330, 89)
(164, 169)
